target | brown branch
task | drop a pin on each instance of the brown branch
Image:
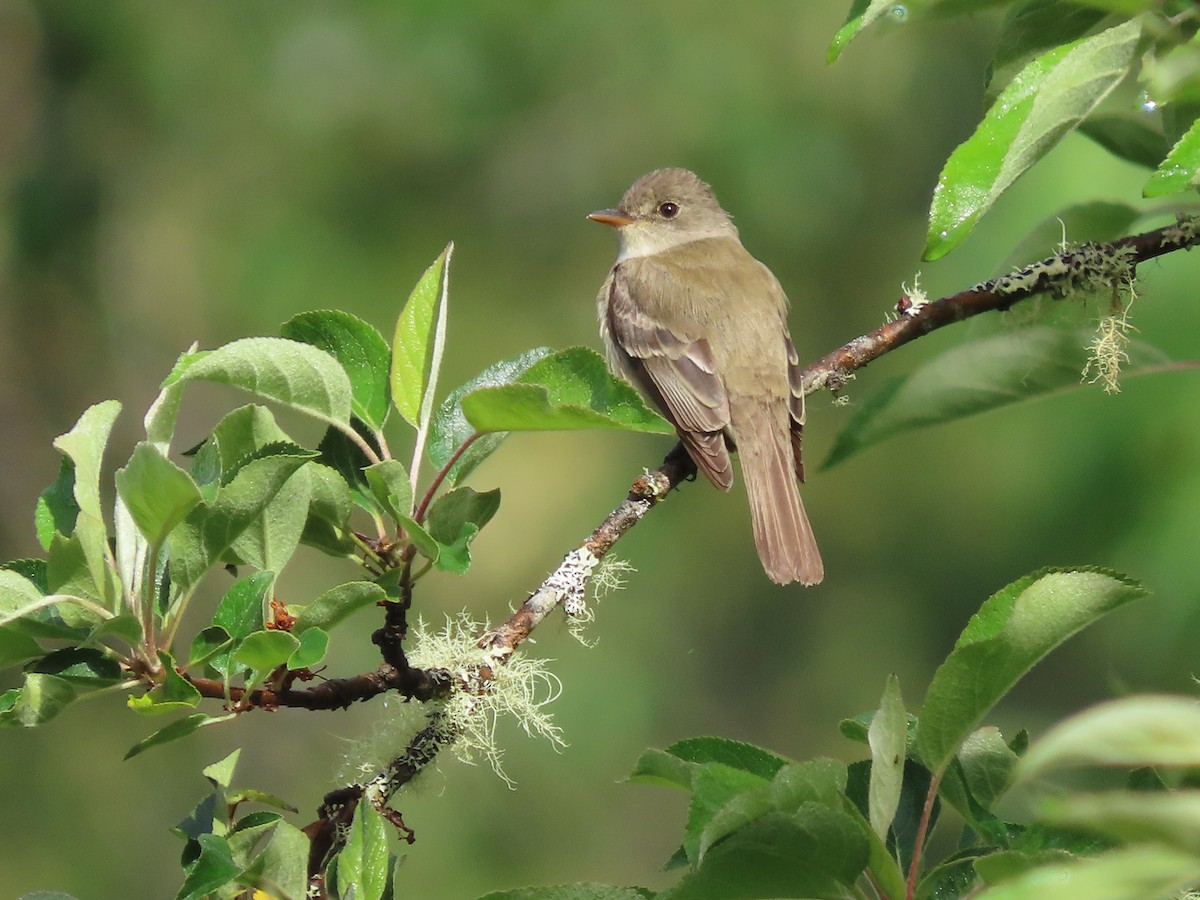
(335, 693)
(1089, 266)
(567, 583)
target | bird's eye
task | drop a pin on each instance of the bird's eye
(668, 210)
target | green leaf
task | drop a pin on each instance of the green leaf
(271, 538)
(571, 892)
(570, 390)
(1012, 631)
(178, 729)
(715, 785)
(734, 754)
(361, 350)
(363, 863)
(209, 530)
(390, 486)
(57, 510)
(453, 521)
(213, 868)
(39, 700)
(417, 342)
(973, 378)
(280, 868)
(1127, 137)
(987, 765)
(1133, 731)
(240, 613)
(264, 651)
(16, 592)
(1166, 818)
(81, 666)
(84, 446)
(660, 767)
(327, 526)
(814, 852)
(1047, 99)
(220, 773)
(449, 429)
(1143, 871)
(887, 736)
(311, 649)
(69, 576)
(16, 646)
(239, 435)
(1180, 171)
(157, 493)
(295, 375)
(338, 603)
(813, 781)
(175, 693)
(341, 455)
(862, 14)
(207, 644)
(1030, 29)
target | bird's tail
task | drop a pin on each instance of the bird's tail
(782, 534)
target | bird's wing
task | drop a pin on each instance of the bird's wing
(679, 375)
(796, 401)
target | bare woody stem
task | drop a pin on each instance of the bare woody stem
(1088, 265)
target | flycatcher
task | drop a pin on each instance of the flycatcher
(699, 325)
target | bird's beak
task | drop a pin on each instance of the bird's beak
(613, 217)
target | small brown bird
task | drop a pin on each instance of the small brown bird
(700, 327)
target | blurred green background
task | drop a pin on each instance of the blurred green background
(172, 172)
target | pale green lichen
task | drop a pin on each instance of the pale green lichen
(1108, 351)
(486, 692)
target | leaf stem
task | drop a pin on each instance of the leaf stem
(419, 512)
(914, 867)
(358, 440)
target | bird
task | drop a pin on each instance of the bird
(696, 323)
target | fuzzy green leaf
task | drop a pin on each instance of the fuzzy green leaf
(212, 869)
(56, 510)
(271, 538)
(390, 486)
(449, 429)
(361, 350)
(974, 378)
(1140, 871)
(313, 644)
(363, 863)
(1180, 171)
(1046, 99)
(567, 391)
(293, 374)
(157, 493)
(454, 520)
(84, 446)
(887, 736)
(338, 603)
(240, 613)
(208, 531)
(40, 699)
(1012, 631)
(416, 344)
(264, 651)
(1130, 732)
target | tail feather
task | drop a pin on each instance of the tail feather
(784, 539)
